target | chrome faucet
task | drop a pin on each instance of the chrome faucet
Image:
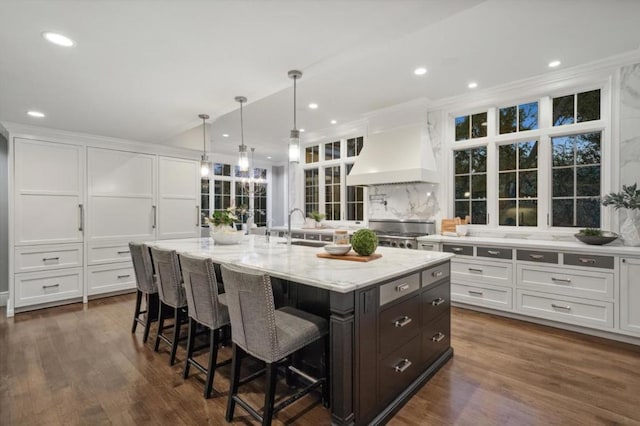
(291, 212)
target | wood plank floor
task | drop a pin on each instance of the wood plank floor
(81, 365)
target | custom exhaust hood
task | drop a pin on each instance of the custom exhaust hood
(400, 155)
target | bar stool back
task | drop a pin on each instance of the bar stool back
(146, 287)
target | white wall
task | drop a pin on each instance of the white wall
(4, 212)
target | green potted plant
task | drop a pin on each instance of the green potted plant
(318, 217)
(629, 200)
(223, 230)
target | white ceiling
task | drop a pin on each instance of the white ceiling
(144, 70)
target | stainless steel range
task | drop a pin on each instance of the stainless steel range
(401, 233)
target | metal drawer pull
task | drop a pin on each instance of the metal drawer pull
(402, 321)
(124, 276)
(155, 217)
(475, 293)
(402, 287)
(561, 280)
(475, 270)
(437, 274)
(456, 249)
(568, 308)
(586, 260)
(197, 216)
(438, 301)
(402, 365)
(81, 224)
(536, 256)
(438, 337)
(493, 252)
(123, 252)
(46, 259)
(50, 286)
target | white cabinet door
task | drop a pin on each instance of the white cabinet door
(48, 192)
(178, 198)
(630, 294)
(121, 189)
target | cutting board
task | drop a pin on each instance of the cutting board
(352, 255)
(449, 225)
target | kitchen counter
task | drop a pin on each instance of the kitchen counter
(323, 231)
(613, 248)
(300, 264)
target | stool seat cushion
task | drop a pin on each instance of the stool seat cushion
(295, 329)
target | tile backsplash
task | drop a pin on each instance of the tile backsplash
(404, 201)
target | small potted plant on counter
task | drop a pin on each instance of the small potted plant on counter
(318, 217)
(628, 199)
(595, 236)
(223, 230)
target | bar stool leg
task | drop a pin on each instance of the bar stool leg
(213, 359)
(160, 324)
(176, 335)
(147, 324)
(137, 311)
(270, 393)
(236, 361)
(190, 344)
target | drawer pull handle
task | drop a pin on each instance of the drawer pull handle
(456, 249)
(402, 321)
(437, 274)
(561, 280)
(124, 252)
(475, 293)
(438, 301)
(50, 286)
(493, 252)
(47, 259)
(536, 256)
(586, 260)
(438, 337)
(402, 366)
(567, 308)
(475, 270)
(124, 276)
(402, 287)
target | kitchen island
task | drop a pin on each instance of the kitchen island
(389, 318)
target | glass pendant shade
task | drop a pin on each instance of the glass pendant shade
(243, 158)
(294, 146)
(205, 166)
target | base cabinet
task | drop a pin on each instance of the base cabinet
(111, 278)
(630, 295)
(47, 286)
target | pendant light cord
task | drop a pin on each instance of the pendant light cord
(204, 139)
(294, 103)
(241, 125)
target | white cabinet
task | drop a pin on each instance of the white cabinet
(48, 193)
(178, 198)
(47, 286)
(630, 295)
(121, 190)
(110, 278)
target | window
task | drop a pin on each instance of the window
(518, 184)
(311, 191)
(471, 184)
(242, 198)
(354, 146)
(332, 192)
(518, 118)
(578, 108)
(312, 154)
(260, 203)
(204, 200)
(332, 151)
(355, 200)
(220, 169)
(221, 195)
(471, 126)
(575, 180)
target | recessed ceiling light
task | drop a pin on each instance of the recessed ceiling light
(302, 130)
(58, 39)
(269, 157)
(225, 135)
(36, 114)
(420, 71)
(333, 121)
(313, 105)
(554, 64)
(472, 85)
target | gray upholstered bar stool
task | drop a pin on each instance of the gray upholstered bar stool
(146, 287)
(206, 307)
(268, 334)
(171, 294)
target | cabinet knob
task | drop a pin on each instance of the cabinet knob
(402, 365)
(624, 260)
(438, 301)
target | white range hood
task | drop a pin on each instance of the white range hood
(399, 155)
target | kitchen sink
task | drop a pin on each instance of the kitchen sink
(307, 243)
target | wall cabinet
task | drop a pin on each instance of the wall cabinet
(630, 295)
(178, 198)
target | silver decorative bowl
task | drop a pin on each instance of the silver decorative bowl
(597, 240)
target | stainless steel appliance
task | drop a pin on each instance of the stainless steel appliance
(401, 233)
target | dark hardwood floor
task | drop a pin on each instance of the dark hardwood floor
(81, 365)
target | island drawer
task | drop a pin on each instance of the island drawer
(399, 369)
(482, 272)
(494, 252)
(434, 274)
(491, 297)
(48, 286)
(435, 302)
(566, 309)
(398, 288)
(569, 282)
(605, 262)
(458, 249)
(436, 338)
(41, 258)
(398, 324)
(538, 256)
(108, 254)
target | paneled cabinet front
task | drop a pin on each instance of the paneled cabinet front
(630, 295)
(178, 198)
(121, 189)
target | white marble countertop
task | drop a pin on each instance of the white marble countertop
(300, 264)
(615, 247)
(326, 230)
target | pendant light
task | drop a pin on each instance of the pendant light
(243, 158)
(294, 137)
(205, 165)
